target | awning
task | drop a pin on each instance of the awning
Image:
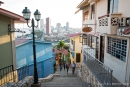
(81, 5)
(1, 3)
(77, 11)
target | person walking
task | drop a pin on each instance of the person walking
(73, 65)
(67, 67)
(60, 66)
(64, 64)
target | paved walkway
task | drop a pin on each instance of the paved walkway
(66, 80)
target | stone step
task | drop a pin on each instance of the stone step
(65, 85)
(66, 82)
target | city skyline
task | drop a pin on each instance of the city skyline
(59, 12)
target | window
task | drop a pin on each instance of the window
(112, 6)
(86, 16)
(90, 41)
(73, 45)
(117, 48)
(84, 39)
(72, 42)
(92, 11)
(97, 46)
(77, 57)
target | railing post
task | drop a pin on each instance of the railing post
(111, 77)
(13, 73)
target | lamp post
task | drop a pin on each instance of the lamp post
(26, 14)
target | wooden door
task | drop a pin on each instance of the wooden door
(102, 41)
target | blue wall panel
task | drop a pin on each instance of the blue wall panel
(44, 57)
(48, 67)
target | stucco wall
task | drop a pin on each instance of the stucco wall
(118, 66)
(101, 8)
(78, 46)
(44, 58)
(24, 53)
(6, 57)
(124, 7)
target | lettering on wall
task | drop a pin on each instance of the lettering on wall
(41, 53)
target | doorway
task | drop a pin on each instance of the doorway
(102, 41)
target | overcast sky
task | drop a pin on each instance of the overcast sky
(60, 11)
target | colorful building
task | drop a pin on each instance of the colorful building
(7, 44)
(75, 48)
(44, 57)
(109, 24)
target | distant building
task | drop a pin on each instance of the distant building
(41, 24)
(58, 25)
(48, 26)
(67, 26)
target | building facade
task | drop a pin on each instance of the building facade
(7, 44)
(48, 26)
(75, 48)
(67, 26)
(110, 30)
(44, 57)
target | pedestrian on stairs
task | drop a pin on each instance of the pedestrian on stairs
(64, 64)
(60, 66)
(67, 67)
(73, 65)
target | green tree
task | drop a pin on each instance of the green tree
(60, 46)
(38, 33)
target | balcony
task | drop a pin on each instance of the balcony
(108, 23)
(90, 23)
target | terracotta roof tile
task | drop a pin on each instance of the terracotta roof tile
(20, 41)
(73, 35)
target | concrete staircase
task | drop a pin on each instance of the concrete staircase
(65, 80)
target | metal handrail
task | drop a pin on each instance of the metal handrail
(99, 70)
(6, 75)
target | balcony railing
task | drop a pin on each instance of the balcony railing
(8, 74)
(108, 23)
(99, 70)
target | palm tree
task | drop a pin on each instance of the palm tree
(60, 47)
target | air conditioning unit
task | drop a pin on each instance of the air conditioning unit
(123, 21)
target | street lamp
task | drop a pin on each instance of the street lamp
(26, 14)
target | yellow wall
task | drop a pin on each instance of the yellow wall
(78, 46)
(6, 54)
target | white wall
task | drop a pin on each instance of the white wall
(124, 7)
(118, 66)
(101, 8)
